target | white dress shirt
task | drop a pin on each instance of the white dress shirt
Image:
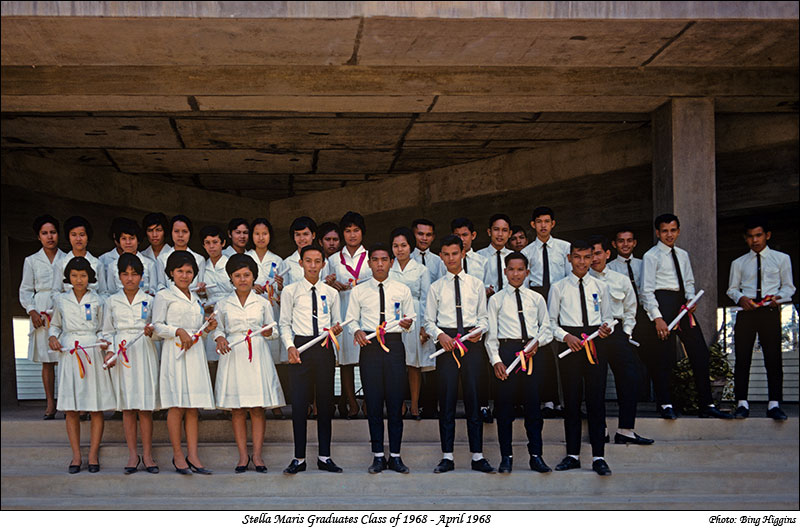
(152, 255)
(291, 270)
(296, 310)
(60, 286)
(215, 274)
(564, 304)
(776, 275)
(38, 275)
(658, 274)
(440, 309)
(621, 296)
(432, 261)
(150, 277)
(620, 265)
(473, 263)
(161, 264)
(490, 268)
(557, 252)
(504, 319)
(364, 307)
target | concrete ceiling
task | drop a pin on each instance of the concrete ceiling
(269, 108)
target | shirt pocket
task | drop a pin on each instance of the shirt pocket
(617, 294)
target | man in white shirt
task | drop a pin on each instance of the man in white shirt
(494, 271)
(667, 284)
(155, 226)
(759, 280)
(425, 234)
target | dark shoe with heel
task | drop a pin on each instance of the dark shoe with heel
(198, 470)
(242, 469)
(131, 470)
(93, 468)
(74, 468)
(181, 470)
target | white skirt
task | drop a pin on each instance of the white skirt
(38, 345)
(136, 385)
(184, 382)
(91, 393)
(417, 354)
(242, 383)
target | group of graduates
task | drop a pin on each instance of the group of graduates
(141, 331)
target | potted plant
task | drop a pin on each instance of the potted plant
(720, 373)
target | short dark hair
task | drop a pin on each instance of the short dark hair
(126, 259)
(183, 219)
(402, 231)
(623, 230)
(666, 218)
(353, 219)
(262, 221)
(579, 244)
(754, 221)
(241, 261)
(74, 222)
(460, 222)
(499, 217)
(518, 228)
(155, 218)
(42, 220)
(380, 247)
(113, 229)
(178, 259)
(543, 210)
(302, 223)
(422, 221)
(236, 222)
(328, 227)
(600, 240)
(211, 231)
(516, 255)
(450, 239)
(79, 263)
(309, 248)
(127, 226)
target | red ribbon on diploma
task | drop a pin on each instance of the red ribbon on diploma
(692, 321)
(766, 300)
(525, 362)
(47, 318)
(591, 351)
(330, 338)
(122, 350)
(81, 369)
(249, 340)
(380, 333)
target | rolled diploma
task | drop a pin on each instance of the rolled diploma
(257, 333)
(683, 312)
(476, 331)
(528, 347)
(587, 339)
(395, 324)
(127, 345)
(197, 288)
(779, 300)
(87, 347)
(199, 331)
(319, 338)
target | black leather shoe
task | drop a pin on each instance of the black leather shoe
(199, 470)
(601, 468)
(181, 470)
(548, 413)
(444, 466)
(776, 414)
(295, 467)
(49, 416)
(133, 469)
(568, 463)
(636, 440)
(537, 464)
(396, 464)
(260, 469)
(486, 415)
(93, 468)
(328, 466)
(668, 414)
(152, 469)
(242, 469)
(741, 413)
(714, 412)
(378, 465)
(482, 465)
(505, 464)
(74, 468)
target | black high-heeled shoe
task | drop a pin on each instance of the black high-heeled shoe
(261, 469)
(49, 416)
(195, 469)
(237, 469)
(74, 468)
(182, 470)
(131, 470)
(151, 469)
(93, 468)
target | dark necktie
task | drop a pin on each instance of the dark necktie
(382, 318)
(633, 280)
(545, 267)
(465, 265)
(459, 316)
(423, 257)
(500, 272)
(678, 272)
(522, 327)
(758, 277)
(314, 318)
(584, 311)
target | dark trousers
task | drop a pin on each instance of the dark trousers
(520, 384)
(313, 375)
(384, 380)
(622, 360)
(669, 303)
(577, 374)
(448, 376)
(766, 322)
(429, 392)
(545, 365)
(644, 333)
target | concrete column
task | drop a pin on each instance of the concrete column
(8, 379)
(684, 182)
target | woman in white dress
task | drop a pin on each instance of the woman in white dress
(78, 232)
(134, 371)
(184, 383)
(180, 230)
(35, 295)
(83, 385)
(418, 344)
(246, 380)
(268, 282)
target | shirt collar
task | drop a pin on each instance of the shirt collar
(180, 295)
(538, 242)
(461, 275)
(346, 254)
(664, 248)
(623, 260)
(601, 274)
(763, 252)
(574, 279)
(307, 285)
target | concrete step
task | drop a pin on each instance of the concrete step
(354, 431)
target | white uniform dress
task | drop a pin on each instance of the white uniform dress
(161, 263)
(150, 277)
(135, 385)
(60, 286)
(81, 321)
(36, 293)
(267, 269)
(243, 382)
(216, 275)
(338, 264)
(418, 280)
(183, 382)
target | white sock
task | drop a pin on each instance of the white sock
(324, 459)
(377, 455)
(744, 403)
(447, 456)
(626, 432)
(548, 405)
(394, 455)
(596, 458)
(665, 406)
(576, 457)
(772, 404)
(477, 456)
(300, 460)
